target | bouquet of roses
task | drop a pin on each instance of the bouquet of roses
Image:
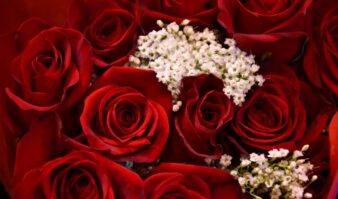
(169, 99)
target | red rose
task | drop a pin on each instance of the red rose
(110, 26)
(323, 155)
(283, 113)
(199, 12)
(126, 115)
(79, 175)
(333, 180)
(265, 27)
(190, 181)
(54, 69)
(204, 113)
(321, 57)
(44, 168)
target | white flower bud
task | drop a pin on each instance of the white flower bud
(233, 173)
(305, 148)
(242, 181)
(297, 154)
(307, 195)
(160, 23)
(185, 22)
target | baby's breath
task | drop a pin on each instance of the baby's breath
(278, 174)
(177, 51)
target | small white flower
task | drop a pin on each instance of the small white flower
(233, 173)
(275, 153)
(254, 68)
(259, 159)
(230, 42)
(297, 192)
(284, 152)
(303, 177)
(245, 163)
(292, 164)
(188, 30)
(281, 176)
(225, 160)
(242, 181)
(260, 80)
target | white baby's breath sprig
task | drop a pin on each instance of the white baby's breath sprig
(177, 51)
(277, 174)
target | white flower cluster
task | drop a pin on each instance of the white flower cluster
(177, 51)
(280, 175)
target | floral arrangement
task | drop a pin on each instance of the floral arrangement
(152, 99)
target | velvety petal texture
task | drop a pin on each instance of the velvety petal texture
(283, 113)
(204, 113)
(333, 132)
(202, 13)
(79, 175)
(321, 58)
(54, 69)
(266, 28)
(170, 181)
(110, 26)
(77, 122)
(127, 119)
(41, 143)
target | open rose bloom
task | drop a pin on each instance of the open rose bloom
(168, 99)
